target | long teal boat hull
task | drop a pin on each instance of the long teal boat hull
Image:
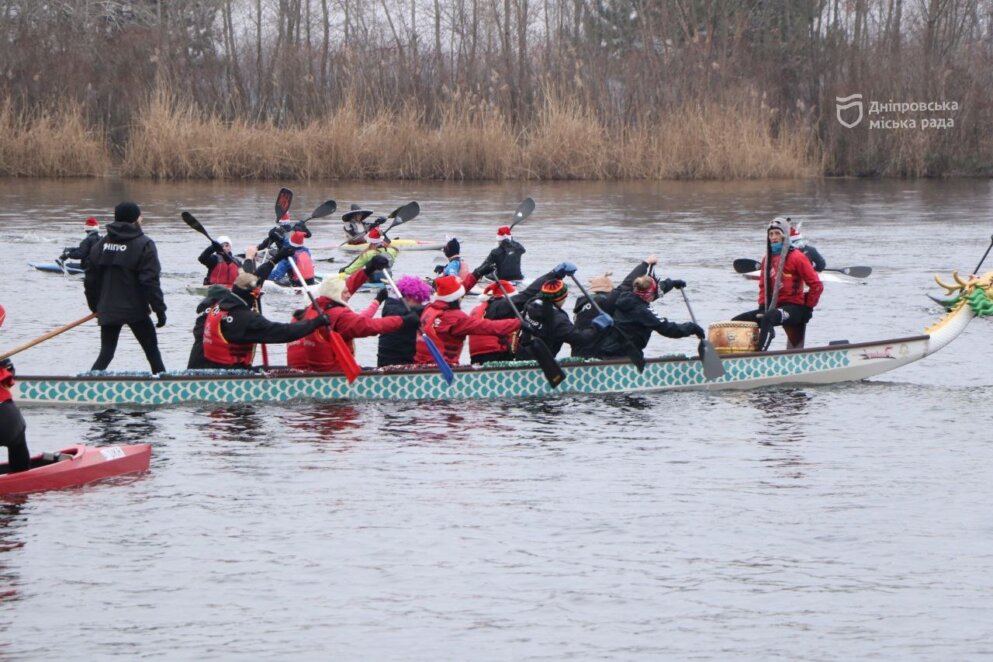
(819, 365)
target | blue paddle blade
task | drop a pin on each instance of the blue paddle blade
(446, 370)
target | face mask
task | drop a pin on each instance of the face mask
(776, 247)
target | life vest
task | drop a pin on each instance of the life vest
(450, 346)
(6, 381)
(479, 345)
(217, 349)
(305, 264)
(223, 273)
(314, 352)
(296, 351)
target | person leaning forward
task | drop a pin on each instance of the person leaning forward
(122, 285)
(233, 327)
(798, 294)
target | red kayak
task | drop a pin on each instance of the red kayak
(73, 466)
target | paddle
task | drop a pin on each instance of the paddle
(283, 201)
(543, 355)
(326, 208)
(744, 265)
(446, 370)
(51, 334)
(405, 212)
(975, 272)
(713, 367)
(341, 351)
(523, 211)
(766, 330)
(633, 351)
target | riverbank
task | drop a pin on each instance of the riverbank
(172, 139)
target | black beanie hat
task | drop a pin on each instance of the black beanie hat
(126, 212)
(452, 248)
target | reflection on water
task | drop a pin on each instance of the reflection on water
(10, 512)
(121, 426)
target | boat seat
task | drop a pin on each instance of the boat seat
(49, 458)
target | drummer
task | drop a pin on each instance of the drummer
(12, 426)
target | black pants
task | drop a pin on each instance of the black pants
(12, 429)
(144, 332)
(795, 327)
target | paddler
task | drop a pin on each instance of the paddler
(456, 266)
(91, 227)
(546, 320)
(399, 347)
(797, 240)
(122, 286)
(222, 266)
(354, 223)
(506, 257)
(215, 293)
(233, 327)
(489, 348)
(799, 291)
(379, 244)
(284, 274)
(315, 351)
(448, 325)
(12, 425)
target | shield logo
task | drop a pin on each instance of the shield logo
(844, 103)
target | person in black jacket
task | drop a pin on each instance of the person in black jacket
(545, 319)
(82, 252)
(122, 285)
(506, 257)
(399, 347)
(807, 248)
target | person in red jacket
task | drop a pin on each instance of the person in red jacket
(12, 425)
(798, 294)
(448, 325)
(315, 352)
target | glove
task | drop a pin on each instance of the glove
(379, 221)
(8, 365)
(483, 270)
(65, 254)
(670, 283)
(323, 320)
(776, 317)
(440, 269)
(603, 321)
(377, 263)
(563, 269)
(161, 317)
(300, 226)
(411, 321)
(217, 247)
(382, 295)
(283, 253)
(276, 235)
(527, 327)
(691, 329)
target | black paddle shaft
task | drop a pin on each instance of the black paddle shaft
(975, 271)
(549, 366)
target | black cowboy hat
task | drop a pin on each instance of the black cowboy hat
(355, 210)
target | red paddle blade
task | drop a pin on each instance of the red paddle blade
(283, 201)
(345, 358)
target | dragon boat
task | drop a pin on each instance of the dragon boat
(828, 364)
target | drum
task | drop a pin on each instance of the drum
(731, 337)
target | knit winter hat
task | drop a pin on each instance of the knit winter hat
(554, 290)
(333, 288)
(297, 238)
(224, 239)
(91, 224)
(493, 290)
(602, 283)
(126, 212)
(452, 248)
(781, 224)
(448, 289)
(412, 287)
(374, 237)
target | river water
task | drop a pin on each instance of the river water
(838, 522)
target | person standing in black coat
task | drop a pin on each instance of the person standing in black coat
(122, 286)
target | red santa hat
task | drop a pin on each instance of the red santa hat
(285, 218)
(91, 224)
(374, 236)
(493, 290)
(296, 238)
(503, 232)
(448, 289)
(795, 232)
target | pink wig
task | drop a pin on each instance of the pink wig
(412, 287)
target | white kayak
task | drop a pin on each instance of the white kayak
(826, 277)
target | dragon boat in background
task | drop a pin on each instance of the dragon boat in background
(829, 364)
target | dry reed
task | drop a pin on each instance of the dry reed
(53, 143)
